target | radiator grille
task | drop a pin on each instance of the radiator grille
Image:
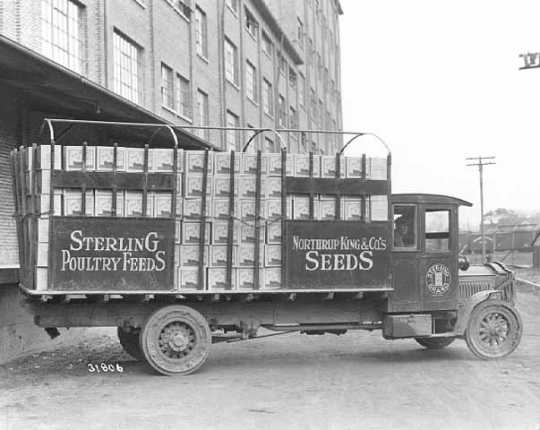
(469, 288)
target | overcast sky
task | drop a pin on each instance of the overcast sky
(439, 81)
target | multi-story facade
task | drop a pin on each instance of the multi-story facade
(248, 63)
(237, 63)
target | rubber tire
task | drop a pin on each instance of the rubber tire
(515, 325)
(435, 342)
(130, 343)
(149, 340)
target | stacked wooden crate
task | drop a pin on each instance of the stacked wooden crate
(229, 212)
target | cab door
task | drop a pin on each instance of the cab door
(406, 256)
(438, 265)
(424, 265)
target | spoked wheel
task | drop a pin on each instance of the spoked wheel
(130, 342)
(494, 330)
(176, 340)
(434, 342)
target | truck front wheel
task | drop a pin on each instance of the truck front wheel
(130, 342)
(434, 342)
(494, 330)
(175, 340)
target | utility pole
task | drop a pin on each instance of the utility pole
(481, 162)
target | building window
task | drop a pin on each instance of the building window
(300, 33)
(282, 112)
(201, 32)
(127, 70)
(233, 5)
(167, 86)
(231, 62)
(293, 118)
(267, 45)
(233, 137)
(181, 6)
(183, 95)
(251, 81)
(61, 33)
(252, 26)
(202, 113)
(282, 64)
(301, 91)
(268, 98)
(293, 80)
(313, 101)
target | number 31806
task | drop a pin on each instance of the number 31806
(104, 368)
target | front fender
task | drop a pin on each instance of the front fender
(464, 311)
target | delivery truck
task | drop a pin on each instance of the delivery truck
(122, 225)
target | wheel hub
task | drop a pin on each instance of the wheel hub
(493, 329)
(176, 340)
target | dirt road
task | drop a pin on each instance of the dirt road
(355, 381)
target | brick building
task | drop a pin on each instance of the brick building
(246, 63)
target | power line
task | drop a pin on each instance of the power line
(481, 162)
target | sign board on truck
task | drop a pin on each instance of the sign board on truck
(337, 254)
(105, 254)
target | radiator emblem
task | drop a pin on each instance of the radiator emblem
(438, 279)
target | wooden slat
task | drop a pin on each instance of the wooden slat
(230, 223)
(83, 186)
(17, 202)
(145, 185)
(283, 217)
(107, 180)
(338, 195)
(257, 256)
(363, 197)
(202, 228)
(339, 186)
(114, 186)
(24, 206)
(312, 192)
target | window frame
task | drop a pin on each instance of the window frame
(167, 100)
(253, 88)
(267, 98)
(251, 24)
(74, 48)
(266, 40)
(234, 133)
(204, 119)
(184, 104)
(447, 233)
(201, 33)
(136, 86)
(416, 246)
(181, 10)
(235, 78)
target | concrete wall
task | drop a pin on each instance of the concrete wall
(18, 333)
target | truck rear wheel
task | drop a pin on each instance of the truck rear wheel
(434, 342)
(175, 340)
(130, 342)
(494, 330)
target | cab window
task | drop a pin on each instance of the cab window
(437, 230)
(405, 231)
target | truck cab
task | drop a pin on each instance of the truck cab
(425, 252)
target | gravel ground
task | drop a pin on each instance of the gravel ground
(294, 381)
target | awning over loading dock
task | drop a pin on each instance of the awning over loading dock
(50, 87)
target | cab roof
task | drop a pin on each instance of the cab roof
(429, 199)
